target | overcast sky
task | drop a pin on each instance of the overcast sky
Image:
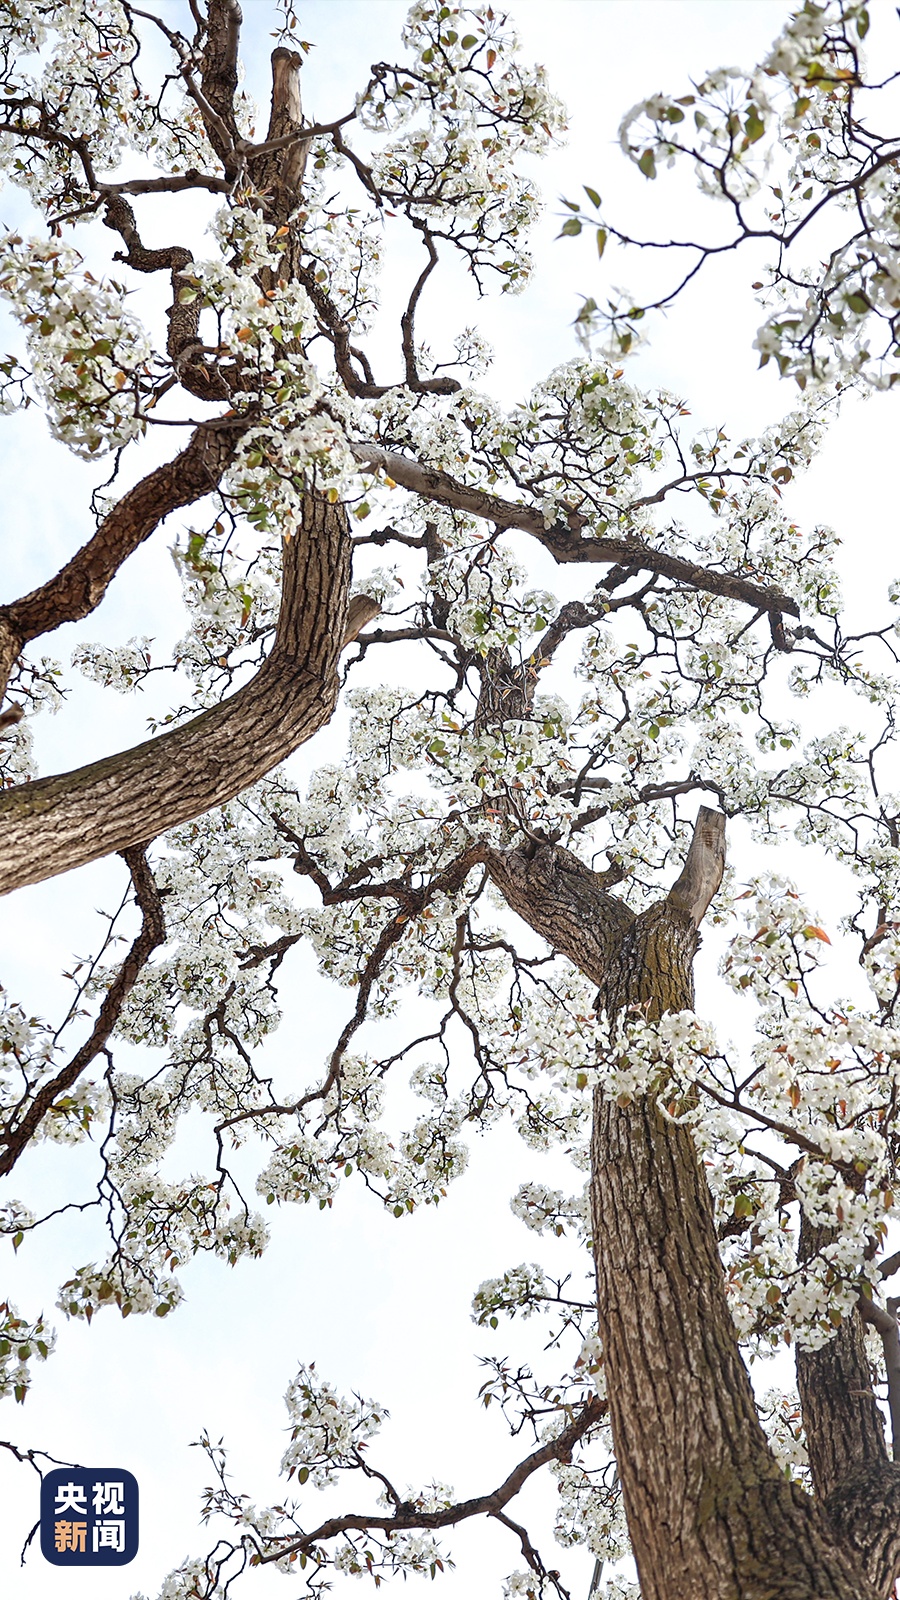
(381, 1306)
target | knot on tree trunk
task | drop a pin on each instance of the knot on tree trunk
(643, 959)
(651, 966)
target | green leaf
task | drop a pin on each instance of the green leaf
(647, 164)
(601, 240)
(592, 196)
(862, 24)
(754, 127)
(858, 303)
(571, 227)
(469, 41)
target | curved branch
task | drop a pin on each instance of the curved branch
(62, 822)
(564, 541)
(81, 584)
(558, 1449)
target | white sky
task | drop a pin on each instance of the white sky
(381, 1306)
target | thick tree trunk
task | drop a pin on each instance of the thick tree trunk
(129, 798)
(848, 1459)
(709, 1514)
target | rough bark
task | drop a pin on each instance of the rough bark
(840, 1413)
(709, 1514)
(219, 77)
(64, 821)
(864, 1518)
(848, 1459)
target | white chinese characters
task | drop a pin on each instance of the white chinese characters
(71, 1497)
(109, 1499)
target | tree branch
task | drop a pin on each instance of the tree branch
(704, 866)
(558, 1449)
(61, 822)
(81, 584)
(564, 541)
(22, 1124)
(884, 1318)
(219, 77)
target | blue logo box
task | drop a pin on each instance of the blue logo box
(89, 1517)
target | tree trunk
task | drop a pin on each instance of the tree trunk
(126, 799)
(709, 1514)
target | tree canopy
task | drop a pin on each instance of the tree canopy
(503, 860)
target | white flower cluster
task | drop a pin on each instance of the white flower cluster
(20, 1341)
(88, 352)
(121, 668)
(785, 135)
(328, 1432)
(85, 51)
(521, 1290)
(781, 1417)
(475, 109)
(549, 1210)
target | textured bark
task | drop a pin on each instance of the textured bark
(62, 822)
(843, 1424)
(848, 1459)
(565, 902)
(505, 693)
(219, 77)
(709, 1514)
(280, 174)
(864, 1518)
